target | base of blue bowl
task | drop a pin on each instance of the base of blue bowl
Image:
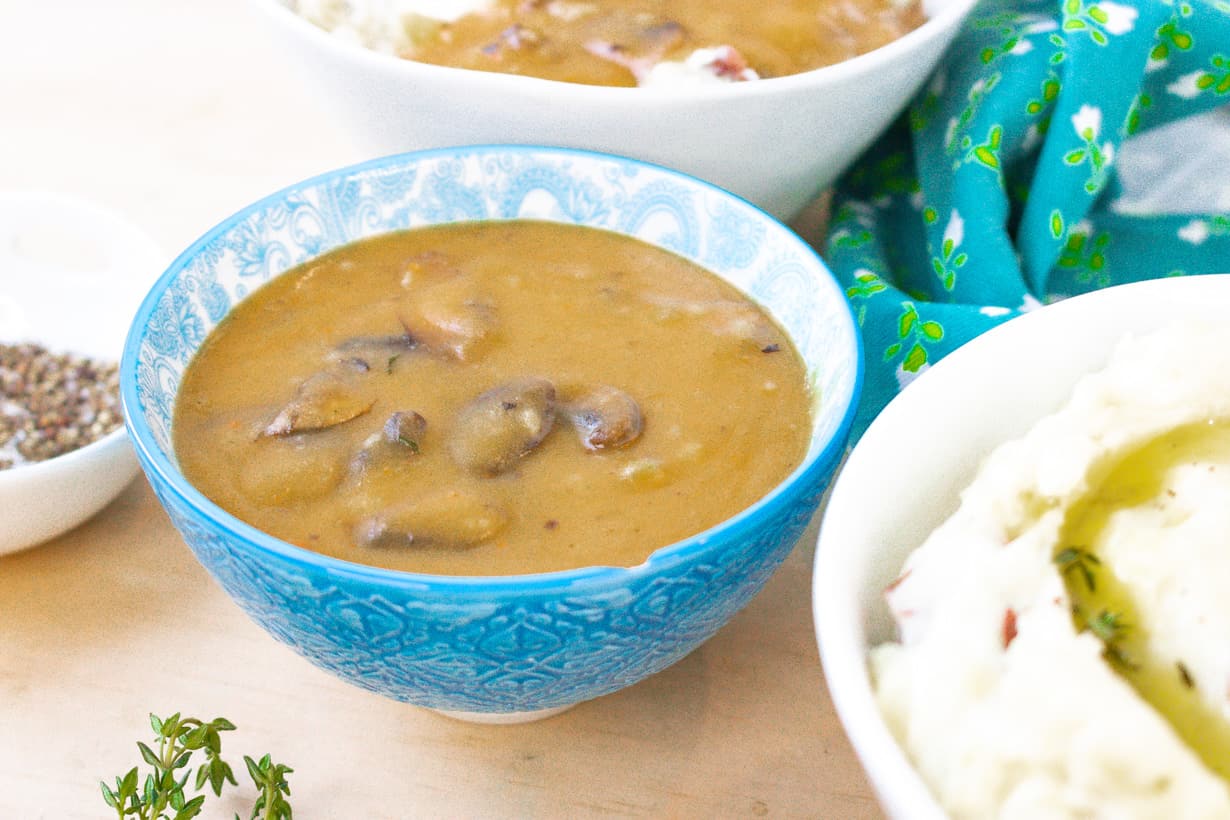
(505, 718)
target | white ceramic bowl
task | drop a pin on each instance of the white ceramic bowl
(776, 142)
(72, 274)
(903, 479)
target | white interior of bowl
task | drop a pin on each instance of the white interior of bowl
(727, 236)
(72, 273)
(904, 477)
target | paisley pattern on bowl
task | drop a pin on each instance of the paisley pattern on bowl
(510, 644)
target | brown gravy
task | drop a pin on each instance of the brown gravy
(492, 398)
(603, 42)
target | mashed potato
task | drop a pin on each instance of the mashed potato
(1065, 636)
(390, 26)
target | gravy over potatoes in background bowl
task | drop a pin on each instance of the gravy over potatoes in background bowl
(776, 142)
(492, 647)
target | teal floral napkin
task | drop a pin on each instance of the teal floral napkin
(995, 193)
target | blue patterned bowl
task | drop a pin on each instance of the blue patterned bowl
(494, 648)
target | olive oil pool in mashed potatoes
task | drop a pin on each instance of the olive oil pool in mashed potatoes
(490, 399)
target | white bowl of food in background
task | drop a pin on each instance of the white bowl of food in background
(1010, 667)
(776, 141)
(71, 275)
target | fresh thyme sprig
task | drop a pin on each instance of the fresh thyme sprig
(161, 795)
(270, 778)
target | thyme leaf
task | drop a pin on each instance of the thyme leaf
(1111, 629)
(1185, 675)
(1108, 626)
(1080, 560)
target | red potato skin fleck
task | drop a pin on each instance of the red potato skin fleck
(897, 582)
(730, 64)
(1009, 627)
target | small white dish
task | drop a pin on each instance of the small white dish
(905, 474)
(72, 274)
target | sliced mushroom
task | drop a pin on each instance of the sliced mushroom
(284, 471)
(605, 418)
(453, 317)
(364, 353)
(324, 400)
(451, 519)
(400, 439)
(500, 426)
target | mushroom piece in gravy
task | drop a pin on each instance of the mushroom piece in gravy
(605, 417)
(452, 519)
(400, 438)
(325, 399)
(503, 424)
(452, 317)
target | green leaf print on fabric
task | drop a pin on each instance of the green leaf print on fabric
(1170, 36)
(1217, 79)
(1140, 104)
(950, 261)
(985, 153)
(867, 284)
(977, 93)
(1098, 20)
(1088, 124)
(913, 334)
(1086, 258)
(1213, 80)
(1047, 96)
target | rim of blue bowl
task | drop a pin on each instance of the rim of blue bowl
(152, 458)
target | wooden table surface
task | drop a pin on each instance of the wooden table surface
(177, 113)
